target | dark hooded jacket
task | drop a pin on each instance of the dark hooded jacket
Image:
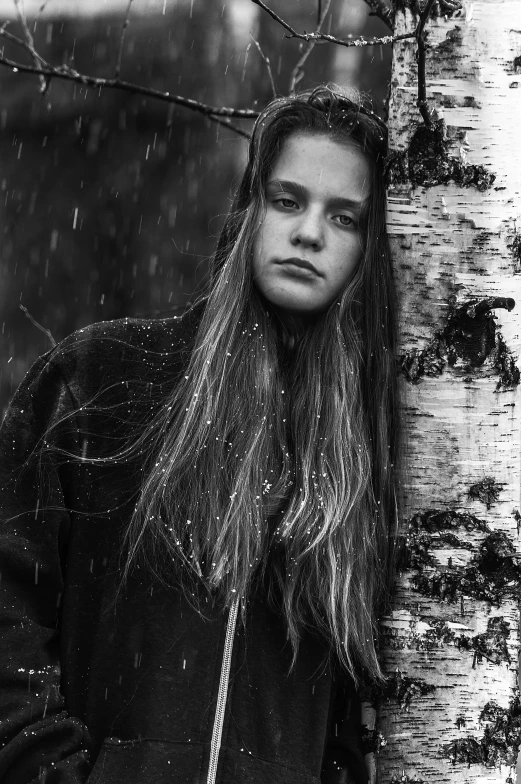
(140, 687)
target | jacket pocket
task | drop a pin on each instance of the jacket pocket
(147, 761)
(242, 768)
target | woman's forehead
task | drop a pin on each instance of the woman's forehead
(323, 166)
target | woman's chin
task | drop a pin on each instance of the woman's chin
(291, 304)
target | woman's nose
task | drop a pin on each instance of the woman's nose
(309, 230)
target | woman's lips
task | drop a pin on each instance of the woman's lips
(300, 267)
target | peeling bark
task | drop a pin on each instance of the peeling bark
(402, 689)
(467, 340)
(427, 161)
(451, 712)
(500, 740)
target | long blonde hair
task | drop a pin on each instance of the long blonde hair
(269, 461)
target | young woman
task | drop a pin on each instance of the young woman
(196, 512)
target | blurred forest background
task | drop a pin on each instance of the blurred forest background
(111, 203)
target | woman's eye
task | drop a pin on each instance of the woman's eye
(288, 204)
(344, 220)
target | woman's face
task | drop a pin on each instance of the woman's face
(309, 242)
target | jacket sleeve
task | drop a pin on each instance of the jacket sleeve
(39, 741)
(344, 761)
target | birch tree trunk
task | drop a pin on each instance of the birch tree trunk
(451, 710)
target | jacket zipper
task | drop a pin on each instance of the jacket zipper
(222, 694)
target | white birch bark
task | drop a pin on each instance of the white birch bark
(452, 244)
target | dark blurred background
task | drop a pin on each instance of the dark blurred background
(111, 203)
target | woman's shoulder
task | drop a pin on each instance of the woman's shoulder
(127, 345)
(98, 369)
(109, 355)
(138, 335)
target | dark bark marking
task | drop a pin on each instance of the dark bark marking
(492, 575)
(439, 634)
(455, 102)
(417, 550)
(427, 162)
(434, 521)
(500, 742)
(372, 740)
(404, 779)
(450, 48)
(440, 8)
(515, 249)
(466, 750)
(487, 491)
(504, 363)
(402, 689)
(517, 63)
(490, 645)
(427, 362)
(469, 336)
(433, 639)
(495, 551)
(432, 530)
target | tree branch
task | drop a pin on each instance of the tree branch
(298, 71)
(69, 74)
(36, 324)
(46, 71)
(421, 103)
(382, 11)
(268, 65)
(277, 18)
(331, 39)
(29, 43)
(227, 124)
(19, 41)
(122, 41)
(42, 7)
(418, 34)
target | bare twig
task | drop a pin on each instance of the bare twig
(228, 124)
(380, 9)
(42, 7)
(69, 74)
(222, 114)
(424, 15)
(277, 18)
(298, 71)
(122, 41)
(331, 39)
(47, 71)
(19, 41)
(421, 102)
(39, 326)
(29, 43)
(268, 65)
(319, 12)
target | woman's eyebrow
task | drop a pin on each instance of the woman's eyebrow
(339, 202)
